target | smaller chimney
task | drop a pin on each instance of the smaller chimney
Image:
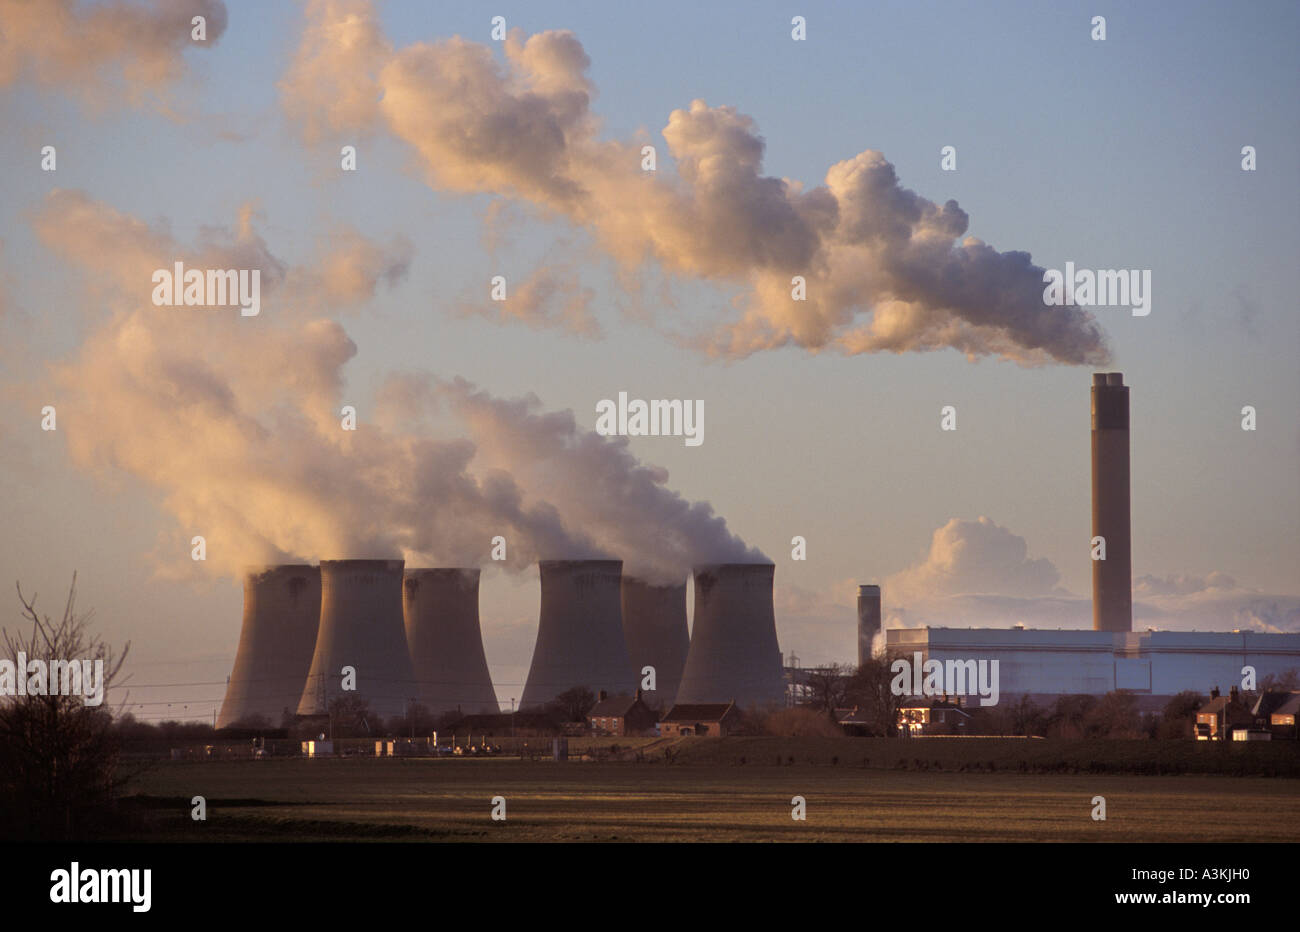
(1214, 693)
(1232, 693)
(602, 696)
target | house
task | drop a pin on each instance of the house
(920, 715)
(1217, 718)
(621, 715)
(711, 720)
(1277, 711)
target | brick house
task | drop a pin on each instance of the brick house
(621, 715)
(699, 719)
(1217, 718)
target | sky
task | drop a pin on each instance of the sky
(522, 157)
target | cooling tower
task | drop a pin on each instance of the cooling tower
(446, 643)
(360, 627)
(281, 614)
(654, 627)
(1112, 578)
(734, 654)
(579, 632)
(868, 620)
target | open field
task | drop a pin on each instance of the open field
(714, 799)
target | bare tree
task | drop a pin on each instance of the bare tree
(59, 773)
(827, 687)
(869, 690)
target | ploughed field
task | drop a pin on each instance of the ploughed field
(706, 794)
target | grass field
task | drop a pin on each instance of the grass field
(707, 795)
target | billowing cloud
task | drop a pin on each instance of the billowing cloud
(103, 51)
(237, 422)
(885, 269)
(625, 506)
(331, 86)
(974, 557)
(978, 574)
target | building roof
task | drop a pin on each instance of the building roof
(1224, 705)
(613, 707)
(699, 712)
(1290, 707)
(1272, 700)
(929, 702)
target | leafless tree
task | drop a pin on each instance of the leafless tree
(827, 687)
(869, 690)
(59, 773)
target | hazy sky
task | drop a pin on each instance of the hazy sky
(822, 419)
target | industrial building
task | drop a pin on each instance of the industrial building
(361, 627)
(1158, 664)
(656, 632)
(734, 655)
(1042, 662)
(276, 641)
(440, 610)
(579, 632)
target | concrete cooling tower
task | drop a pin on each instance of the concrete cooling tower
(1112, 578)
(281, 615)
(361, 627)
(654, 627)
(734, 653)
(446, 644)
(868, 620)
(579, 632)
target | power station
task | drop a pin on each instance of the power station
(361, 628)
(276, 641)
(1154, 665)
(579, 632)
(734, 654)
(655, 629)
(440, 607)
(416, 637)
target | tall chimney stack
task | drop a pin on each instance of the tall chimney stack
(868, 620)
(1112, 578)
